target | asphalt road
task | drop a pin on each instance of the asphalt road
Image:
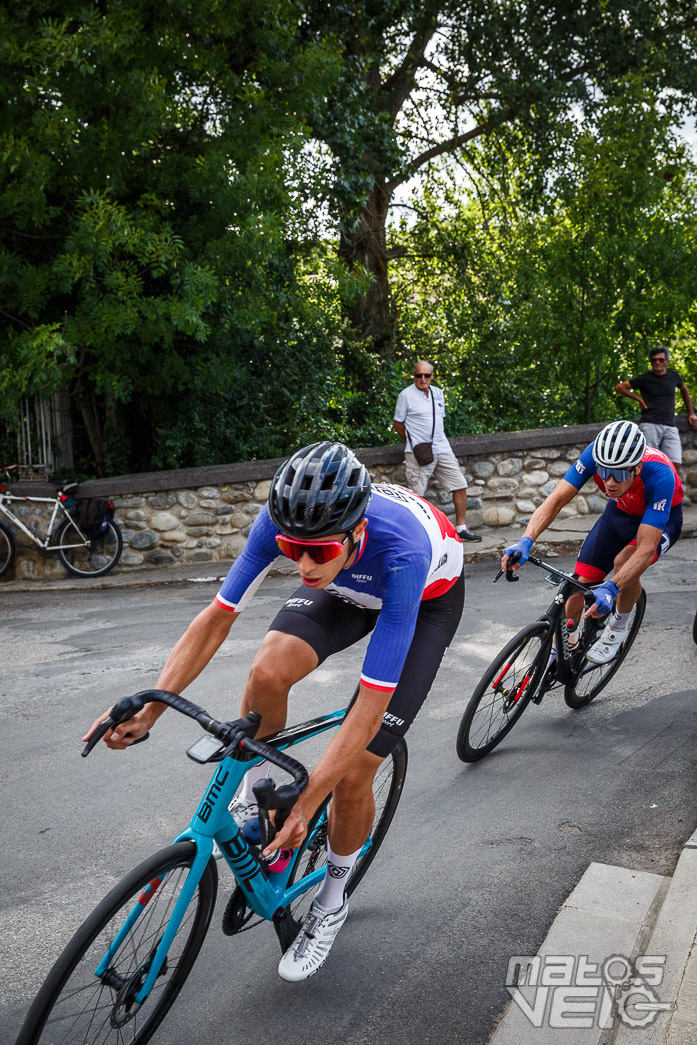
(477, 861)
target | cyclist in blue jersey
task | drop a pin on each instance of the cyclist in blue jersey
(373, 559)
(642, 520)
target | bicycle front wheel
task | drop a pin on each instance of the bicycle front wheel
(387, 791)
(88, 557)
(7, 550)
(503, 693)
(591, 678)
(76, 1007)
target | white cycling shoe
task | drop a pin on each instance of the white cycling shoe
(607, 646)
(243, 811)
(310, 948)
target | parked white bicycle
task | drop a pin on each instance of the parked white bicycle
(81, 530)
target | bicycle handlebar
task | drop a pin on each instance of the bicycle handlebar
(510, 576)
(237, 735)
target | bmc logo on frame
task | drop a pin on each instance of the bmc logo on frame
(564, 991)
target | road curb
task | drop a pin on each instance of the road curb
(674, 935)
(564, 998)
(627, 913)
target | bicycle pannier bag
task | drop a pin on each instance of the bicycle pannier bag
(93, 515)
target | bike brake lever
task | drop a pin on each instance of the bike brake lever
(100, 731)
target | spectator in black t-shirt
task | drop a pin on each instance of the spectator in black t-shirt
(656, 401)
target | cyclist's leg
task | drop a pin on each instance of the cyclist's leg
(352, 809)
(608, 538)
(629, 596)
(353, 806)
(310, 627)
(282, 660)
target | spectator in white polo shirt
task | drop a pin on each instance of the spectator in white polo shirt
(418, 418)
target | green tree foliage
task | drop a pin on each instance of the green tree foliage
(422, 81)
(538, 303)
(150, 189)
(195, 200)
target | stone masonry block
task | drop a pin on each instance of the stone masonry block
(164, 521)
(536, 478)
(511, 466)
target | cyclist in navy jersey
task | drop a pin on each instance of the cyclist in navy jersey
(642, 520)
(372, 559)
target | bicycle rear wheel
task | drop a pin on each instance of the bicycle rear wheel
(503, 693)
(387, 791)
(91, 557)
(75, 1007)
(7, 550)
(591, 678)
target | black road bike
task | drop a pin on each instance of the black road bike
(523, 671)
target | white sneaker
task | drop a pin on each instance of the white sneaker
(607, 646)
(310, 948)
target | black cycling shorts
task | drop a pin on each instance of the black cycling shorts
(612, 532)
(329, 624)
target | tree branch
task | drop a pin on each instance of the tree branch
(398, 86)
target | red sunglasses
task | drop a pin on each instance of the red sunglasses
(320, 552)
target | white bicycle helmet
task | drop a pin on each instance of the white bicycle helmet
(621, 444)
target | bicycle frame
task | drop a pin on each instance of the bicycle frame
(265, 892)
(55, 501)
(556, 617)
(557, 632)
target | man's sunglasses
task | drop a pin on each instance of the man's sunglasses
(427, 376)
(320, 552)
(620, 475)
(659, 359)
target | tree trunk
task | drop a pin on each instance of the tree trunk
(371, 315)
(87, 403)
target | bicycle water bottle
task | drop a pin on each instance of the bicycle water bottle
(573, 633)
(279, 860)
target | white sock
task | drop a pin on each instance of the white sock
(618, 621)
(330, 895)
(258, 772)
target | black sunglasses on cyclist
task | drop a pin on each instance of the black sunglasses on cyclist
(320, 552)
(427, 376)
(620, 475)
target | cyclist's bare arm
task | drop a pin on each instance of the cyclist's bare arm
(201, 640)
(546, 513)
(358, 729)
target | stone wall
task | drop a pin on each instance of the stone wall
(204, 514)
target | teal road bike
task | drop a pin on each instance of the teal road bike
(118, 977)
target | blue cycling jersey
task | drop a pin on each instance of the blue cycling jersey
(410, 552)
(652, 494)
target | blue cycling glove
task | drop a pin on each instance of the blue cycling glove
(523, 546)
(605, 594)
